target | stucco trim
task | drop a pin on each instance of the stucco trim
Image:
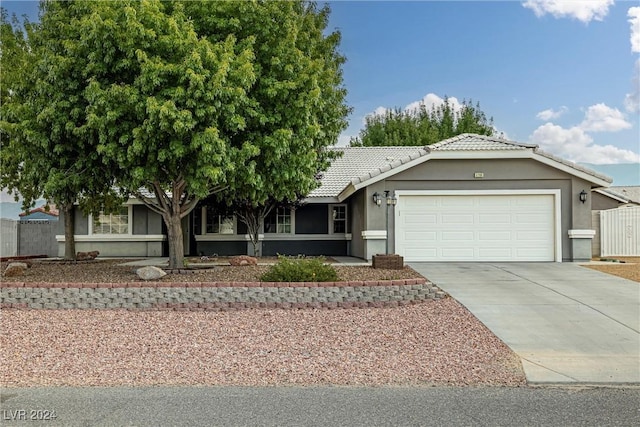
(557, 203)
(582, 234)
(116, 238)
(374, 234)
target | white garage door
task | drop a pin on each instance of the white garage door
(503, 227)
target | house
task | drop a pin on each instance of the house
(467, 198)
(41, 213)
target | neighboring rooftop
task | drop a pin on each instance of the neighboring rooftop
(630, 194)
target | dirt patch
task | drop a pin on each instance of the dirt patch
(629, 269)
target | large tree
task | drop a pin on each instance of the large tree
(47, 150)
(296, 107)
(423, 126)
(194, 98)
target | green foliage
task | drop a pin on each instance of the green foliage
(421, 127)
(295, 109)
(300, 270)
(47, 150)
(183, 99)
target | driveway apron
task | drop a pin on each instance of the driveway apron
(568, 323)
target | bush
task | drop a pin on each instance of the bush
(300, 270)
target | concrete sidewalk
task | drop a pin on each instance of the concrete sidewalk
(568, 324)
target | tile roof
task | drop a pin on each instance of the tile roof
(53, 211)
(473, 142)
(629, 193)
(360, 164)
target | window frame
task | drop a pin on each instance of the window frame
(91, 225)
(332, 220)
(204, 219)
(291, 224)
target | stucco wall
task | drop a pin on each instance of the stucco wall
(503, 174)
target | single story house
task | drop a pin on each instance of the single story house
(41, 213)
(467, 198)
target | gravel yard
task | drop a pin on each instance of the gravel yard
(435, 342)
(430, 343)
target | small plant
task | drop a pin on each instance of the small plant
(300, 270)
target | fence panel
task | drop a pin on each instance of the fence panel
(37, 238)
(9, 237)
(620, 231)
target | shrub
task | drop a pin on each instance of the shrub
(300, 270)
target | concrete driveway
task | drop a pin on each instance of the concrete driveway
(568, 324)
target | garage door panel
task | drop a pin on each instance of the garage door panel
(491, 202)
(462, 253)
(420, 219)
(456, 202)
(490, 254)
(447, 236)
(458, 219)
(494, 236)
(500, 219)
(509, 227)
(418, 236)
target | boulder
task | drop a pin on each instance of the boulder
(150, 273)
(87, 256)
(15, 269)
(243, 260)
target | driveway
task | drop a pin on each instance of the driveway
(568, 324)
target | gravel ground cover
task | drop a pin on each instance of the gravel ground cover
(630, 269)
(431, 343)
(110, 271)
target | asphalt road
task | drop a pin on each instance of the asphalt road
(321, 406)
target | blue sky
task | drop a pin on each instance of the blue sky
(561, 74)
(560, 77)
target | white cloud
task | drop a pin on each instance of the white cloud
(432, 100)
(550, 114)
(582, 10)
(380, 111)
(576, 145)
(634, 19)
(601, 118)
(632, 100)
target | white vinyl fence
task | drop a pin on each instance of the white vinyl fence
(620, 231)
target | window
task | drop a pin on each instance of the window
(278, 221)
(117, 223)
(339, 219)
(217, 224)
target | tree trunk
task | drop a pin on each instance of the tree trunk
(69, 226)
(176, 243)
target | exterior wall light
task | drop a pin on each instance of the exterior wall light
(377, 199)
(583, 196)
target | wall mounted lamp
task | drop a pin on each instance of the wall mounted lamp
(583, 196)
(377, 199)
